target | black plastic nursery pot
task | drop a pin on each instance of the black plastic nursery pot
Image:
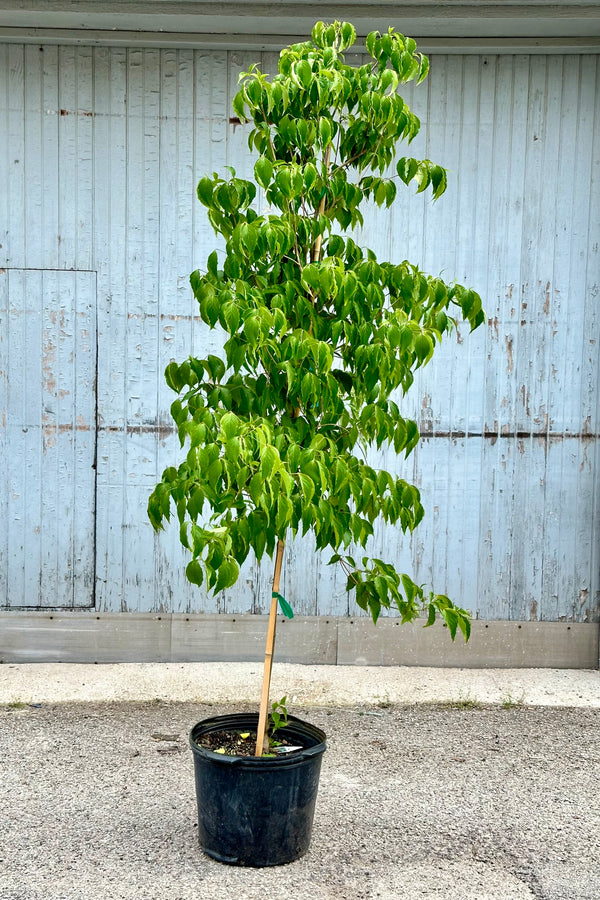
(257, 811)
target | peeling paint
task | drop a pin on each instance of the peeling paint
(506, 431)
(76, 112)
(426, 421)
(163, 317)
(533, 611)
(546, 306)
(509, 354)
(161, 429)
(48, 363)
(52, 428)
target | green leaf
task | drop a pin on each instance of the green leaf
(370, 43)
(310, 277)
(212, 263)
(450, 617)
(390, 193)
(268, 461)
(252, 330)
(195, 503)
(194, 573)
(438, 181)
(325, 131)
(172, 377)
(423, 69)
(304, 73)
(329, 36)
(263, 170)
(423, 347)
(348, 35)
(205, 191)
(239, 106)
(255, 488)
(283, 179)
(214, 473)
(154, 511)
(464, 623)
(317, 34)
(310, 176)
(374, 607)
(286, 609)
(231, 314)
(228, 574)
(229, 425)
(410, 588)
(258, 540)
(306, 389)
(307, 486)
(407, 168)
(284, 511)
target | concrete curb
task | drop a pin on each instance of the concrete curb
(303, 685)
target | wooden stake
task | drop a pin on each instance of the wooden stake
(262, 741)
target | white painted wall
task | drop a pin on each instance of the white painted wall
(100, 152)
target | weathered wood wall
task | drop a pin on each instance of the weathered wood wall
(100, 153)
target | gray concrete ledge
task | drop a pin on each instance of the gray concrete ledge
(87, 637)
(451, 26)
(109, 37)
(303, 685)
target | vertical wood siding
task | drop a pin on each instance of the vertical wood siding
(47, 397)
(100, 153)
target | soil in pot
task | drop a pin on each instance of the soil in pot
(242, 743)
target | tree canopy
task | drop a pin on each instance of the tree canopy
(319, 335)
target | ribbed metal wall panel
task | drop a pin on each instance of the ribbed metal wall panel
(100, 152)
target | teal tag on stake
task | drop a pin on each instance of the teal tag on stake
(286, 609)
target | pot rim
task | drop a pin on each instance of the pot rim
(295, 728)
